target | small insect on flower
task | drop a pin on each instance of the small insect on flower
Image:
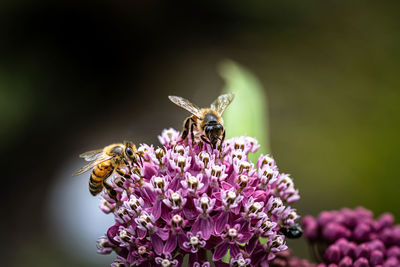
(104, 162)
(205, 123)
(293, 231)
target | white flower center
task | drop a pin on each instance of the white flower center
(177, 218)
(175, 196)
(257, 205)
(144, 219)
(133, 201)
(269, 173)
(194, 240)
(180, 149)
(121, 211)
(204, 200)
(169, 133)
(239, 144)
(192, 179)
(123, 234)
(181, 160)
(232, 232)
(241, 262)
(204, 156)
(244, 178)
(159, 153)
(165, 263)
(231, 195)
(142, 250)
(159, 182)
(216, 171)
(244, 165)
(237, 154)
(268, 224)
(267, 160)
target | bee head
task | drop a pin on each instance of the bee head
(130, 151)
(214, 132)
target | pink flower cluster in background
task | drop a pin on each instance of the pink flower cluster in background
(353, 238)
(285, 259)
(200, 203)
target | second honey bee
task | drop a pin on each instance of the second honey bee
(104, 162)
(205, 123)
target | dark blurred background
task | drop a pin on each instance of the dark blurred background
(76, 76)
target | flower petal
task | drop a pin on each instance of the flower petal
(163, 234)
(196, 226)
(234, 251)
(252, 244)
(182, 239)
(220, 221)
(206, 227)
(170, 245)
(157, 243)
(220, 251)
(157, 209)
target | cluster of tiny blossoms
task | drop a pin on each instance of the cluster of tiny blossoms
(347, 238)
(187, 200)
(285, 259)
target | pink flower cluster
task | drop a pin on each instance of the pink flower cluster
(349, 238)
(192, 201)
(285, 259)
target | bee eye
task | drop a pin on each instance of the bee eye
(129, 151)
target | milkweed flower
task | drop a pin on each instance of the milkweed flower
(354, 238)
(187, 199)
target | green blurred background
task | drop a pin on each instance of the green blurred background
(75, 76)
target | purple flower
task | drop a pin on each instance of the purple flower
(195, 242)
(354, 238)
(231, 237)
(167, 261)
(240, 261)
(189, 199)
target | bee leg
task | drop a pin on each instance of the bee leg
(220, 144)
(141, 160)
(137, 171)
(110, 190)
(203, 138)
(191, 132)
(135, 161)
(122, 173)
(185, 130)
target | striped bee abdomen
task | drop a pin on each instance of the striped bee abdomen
(99, 174)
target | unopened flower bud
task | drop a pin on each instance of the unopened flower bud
(361, 232)
(376, 257)
(332, 254)
(362, 250)
(361, 262)
(346, 262)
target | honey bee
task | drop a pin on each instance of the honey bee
(104, 162)
(205, 123)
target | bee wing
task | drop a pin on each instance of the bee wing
(186, 104)
(91, 165)
(92, 154)
(222, 102)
